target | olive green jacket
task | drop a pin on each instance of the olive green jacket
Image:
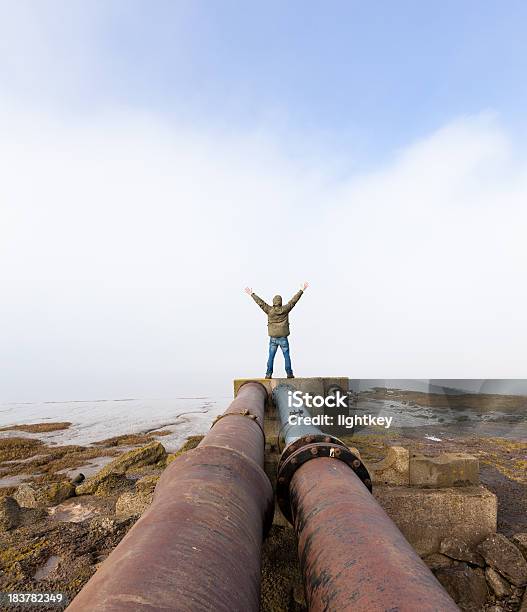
(277, 315)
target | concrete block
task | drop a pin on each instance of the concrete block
(318, 385)
(394, 469)
(427, 516)
(447, 470)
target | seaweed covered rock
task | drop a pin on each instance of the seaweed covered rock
(113, 484)
(147, 484)
(35, 496)
(10, 514)
(133, 503)
(146, 455)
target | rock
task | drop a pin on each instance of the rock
(10, 514)
(31, 516)
(113, 484)
(394, 469)
(523, 607)
(57, 492)
(466, 586)
(131, 504)
(499, 586)
(504, 557)
(26, 496)
(146, 455)
(520, 541)
(34, 496)
(147, 484)
(41, 496)
(458, 549)
(437, 561)
(103, 524)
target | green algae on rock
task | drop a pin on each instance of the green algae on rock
(146, 455)
(38, 496)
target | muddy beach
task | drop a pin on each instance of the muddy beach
(59, 529)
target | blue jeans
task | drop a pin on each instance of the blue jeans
(283, 343)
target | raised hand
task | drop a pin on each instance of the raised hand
(305, 286)
(248, 290)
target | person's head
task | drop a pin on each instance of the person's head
(277, 300)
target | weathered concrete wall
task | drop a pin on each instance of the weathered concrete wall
(447, 470)
(426, 516)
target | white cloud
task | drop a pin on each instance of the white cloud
(126, 240)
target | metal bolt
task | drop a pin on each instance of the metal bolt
(356, 463)
(367, 482)
(281, 480)
(314, 450)
(294, 460)
(337, 452)
(327, 439)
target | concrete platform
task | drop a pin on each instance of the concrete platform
(426, 516)
(319, 385)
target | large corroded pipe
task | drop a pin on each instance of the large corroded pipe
(352, 555)
(198, 546)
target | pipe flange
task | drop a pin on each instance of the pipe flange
(245, 413)
(306, 452)
(309, 439)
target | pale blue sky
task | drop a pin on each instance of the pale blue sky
(360, 78)
(157, 157)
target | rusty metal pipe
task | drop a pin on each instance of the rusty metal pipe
(198, 546)
(352, 555)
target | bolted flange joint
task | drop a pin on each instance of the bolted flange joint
(305, 449)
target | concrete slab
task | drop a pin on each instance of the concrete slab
(319, 385)
(394, 469)
(426, 516)
(447, 470)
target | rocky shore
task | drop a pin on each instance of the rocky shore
(56, 530)
(63, 517)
